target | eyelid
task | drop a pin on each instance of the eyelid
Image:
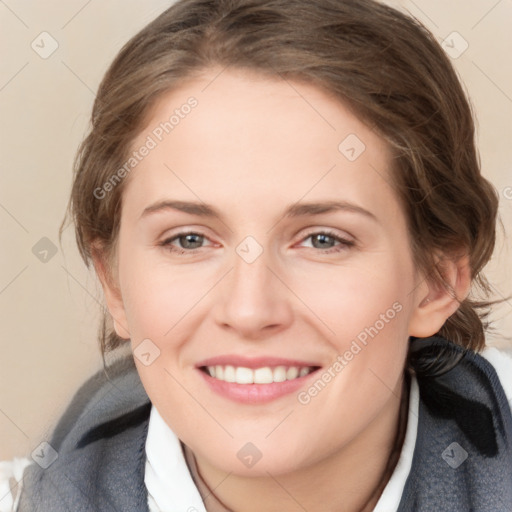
(343, 235)
(177, 231)
(172, 237)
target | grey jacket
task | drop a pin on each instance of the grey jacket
(462, 459)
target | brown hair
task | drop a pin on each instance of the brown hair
(385, 65)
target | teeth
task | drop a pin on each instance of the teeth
(265, 375)
(303, 372)
(229, 374)
(292, 373)
(244, 376)
(280, 374)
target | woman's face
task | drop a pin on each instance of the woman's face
(261, 239)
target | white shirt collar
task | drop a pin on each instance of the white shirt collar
(168, 481)
(392, 494)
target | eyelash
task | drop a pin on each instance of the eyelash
(343, 245)
(343, 242)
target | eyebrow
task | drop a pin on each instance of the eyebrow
(292, 211)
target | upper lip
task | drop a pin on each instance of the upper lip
(254, 362)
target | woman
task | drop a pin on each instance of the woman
(283, 203)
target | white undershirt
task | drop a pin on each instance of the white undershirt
(171, 487)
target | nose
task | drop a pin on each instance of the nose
(253, 301)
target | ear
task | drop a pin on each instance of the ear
(435, 303)
(111, 291)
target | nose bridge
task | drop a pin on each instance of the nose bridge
(253, 297)
(251, 274)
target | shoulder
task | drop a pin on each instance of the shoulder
(109, 394)
(98, 437)
(462, 456)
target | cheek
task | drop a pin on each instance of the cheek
(367, 317)
(156, 297)
(364, 312)
(350, 301)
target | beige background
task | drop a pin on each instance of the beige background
(50, 309)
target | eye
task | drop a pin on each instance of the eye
(328, 242)
(184, 242)
(189, 242)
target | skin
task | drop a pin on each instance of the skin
(252, 147)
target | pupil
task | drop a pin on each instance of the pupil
(323, 240)
(191, 241)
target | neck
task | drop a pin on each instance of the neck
(358, 472)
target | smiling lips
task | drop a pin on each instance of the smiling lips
(254, 380)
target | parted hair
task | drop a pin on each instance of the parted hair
(385, 65)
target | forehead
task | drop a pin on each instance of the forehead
(273, 140)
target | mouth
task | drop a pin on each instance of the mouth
(253, 381)
(262, 375)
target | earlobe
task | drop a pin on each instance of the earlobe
(435, 302)
(121, 331)
(111, 292)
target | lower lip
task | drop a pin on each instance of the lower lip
(254, 393)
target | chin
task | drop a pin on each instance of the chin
(253, 459)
